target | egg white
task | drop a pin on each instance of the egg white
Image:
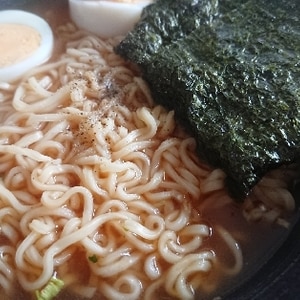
(15, 71)
(106, 18)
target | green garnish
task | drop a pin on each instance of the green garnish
(93, 258)
(53, 287)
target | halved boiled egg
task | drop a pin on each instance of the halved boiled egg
(106, 18)
(26, 41)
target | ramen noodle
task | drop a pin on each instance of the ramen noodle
(101, 189)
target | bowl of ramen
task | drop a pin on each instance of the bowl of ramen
(103, 195)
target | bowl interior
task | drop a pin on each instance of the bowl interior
(277, 278)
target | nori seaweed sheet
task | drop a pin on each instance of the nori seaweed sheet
(231, 71)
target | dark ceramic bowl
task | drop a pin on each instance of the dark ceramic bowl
(279, 277)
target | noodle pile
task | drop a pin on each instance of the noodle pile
(98, 184)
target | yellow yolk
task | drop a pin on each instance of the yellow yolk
(17, 43)
(26, 41)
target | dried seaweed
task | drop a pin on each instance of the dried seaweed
(231, 72)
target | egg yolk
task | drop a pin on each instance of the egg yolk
(17, 43)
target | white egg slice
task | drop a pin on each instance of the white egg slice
(26, 42)
(106, 18)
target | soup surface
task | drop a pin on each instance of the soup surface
(102, 189)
